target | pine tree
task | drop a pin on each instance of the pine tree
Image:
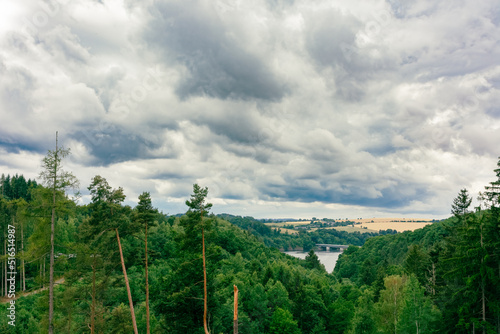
(491, 245)
(197, 209)
(107, 215)
(7, 188)
(461, 203)
(312, 261)
(416, 263)
(145, 214)
(56, 179)
(492, 192)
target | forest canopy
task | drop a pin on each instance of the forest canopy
(122, 269)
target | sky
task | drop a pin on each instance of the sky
(282, 108)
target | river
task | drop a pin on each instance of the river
(328, 259)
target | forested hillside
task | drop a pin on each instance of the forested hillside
(105, 267)
(303, 240)
(455, 264)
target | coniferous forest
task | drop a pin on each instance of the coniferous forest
(106, 267)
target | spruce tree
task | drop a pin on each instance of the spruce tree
(144, 215)
(461, 203)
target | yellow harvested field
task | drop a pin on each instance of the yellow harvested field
(398, 224)
(371, 224)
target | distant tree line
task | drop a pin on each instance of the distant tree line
(16, 187)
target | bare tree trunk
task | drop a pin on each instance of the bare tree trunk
(22, 259)
(1, 279)
(52, 232)
(126, 283)
(4, 269)
(44, 271)
(5, 264)
(92, 308)
(205, 326)
(235, 321)
(395, 314)
(432, 279)
(147, 283)
(483, 286)
(41, 277)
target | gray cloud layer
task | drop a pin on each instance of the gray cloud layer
(277, 106)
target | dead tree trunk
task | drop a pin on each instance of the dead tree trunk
(134, 324)
(92, 308)
(52, 232)
(235, 321)
(23, 273)
(147, 283)
(205, 326)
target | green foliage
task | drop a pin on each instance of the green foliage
(461, 203)
(282, 323)
(417, 262)
(340, 313)
(16, 187)
(443, 278)
(390, 304)
(53, 175)
(119, 320)
(144, 213)
(303, 240)
(417, 313)
(363, 321)
(312, 261)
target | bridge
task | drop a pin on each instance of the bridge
(329, 247)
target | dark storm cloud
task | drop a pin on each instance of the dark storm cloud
(18, 145)
(239, 126)
(218, 65)
(349, 194)
(332, 41)
(110, 144)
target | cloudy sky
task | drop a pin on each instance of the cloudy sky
(282, 108)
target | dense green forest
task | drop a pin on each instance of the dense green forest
(106, 267)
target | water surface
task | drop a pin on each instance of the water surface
(328, 259)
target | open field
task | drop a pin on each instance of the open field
(371, 224)
(398, 224)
